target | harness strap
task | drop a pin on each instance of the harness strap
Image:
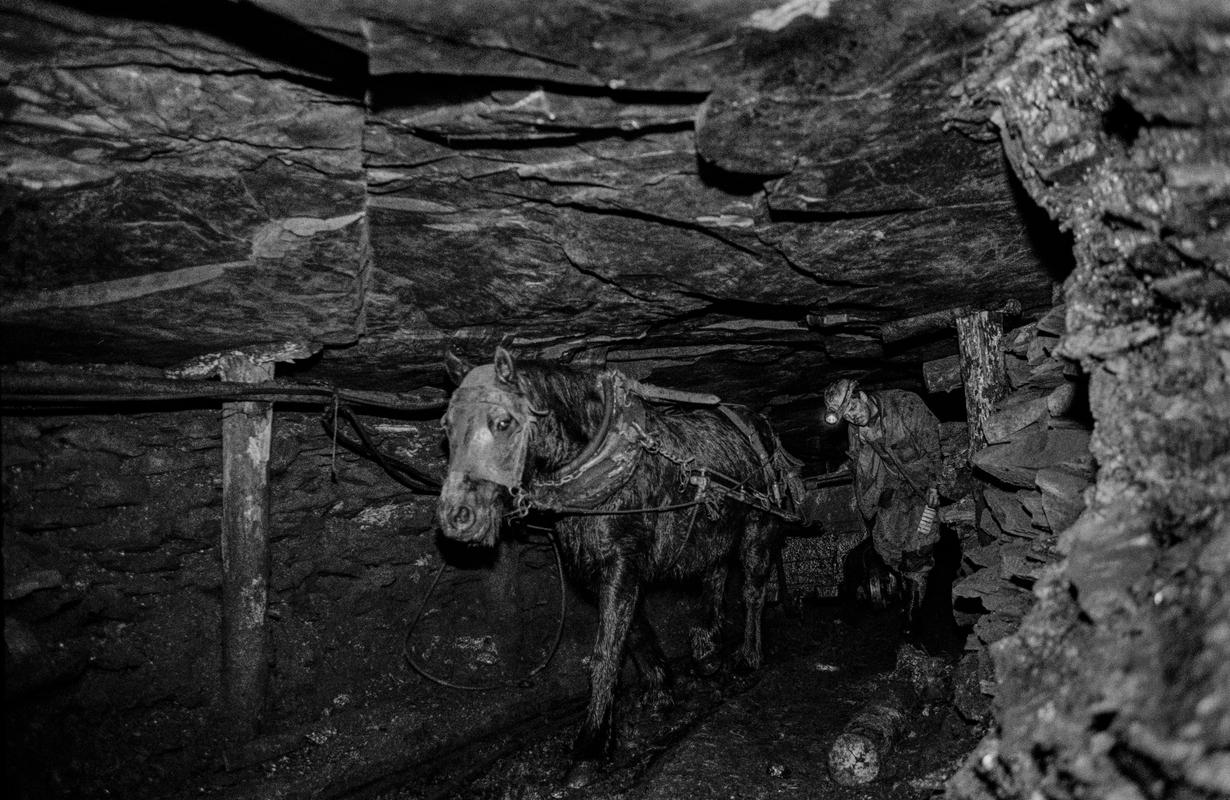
(894, 465)
(753, 438)
(608, 414)
(613, 454)
(728, 488)
(780, 470)
(606, 464)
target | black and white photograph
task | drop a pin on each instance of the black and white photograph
(615, 399)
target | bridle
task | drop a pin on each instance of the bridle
(602, 467)
(484, 459)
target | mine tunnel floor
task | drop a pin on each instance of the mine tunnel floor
(767, 736)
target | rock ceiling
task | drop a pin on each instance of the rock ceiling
(737, 195)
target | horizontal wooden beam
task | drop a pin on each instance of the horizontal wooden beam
(901, 329)
(43, 387)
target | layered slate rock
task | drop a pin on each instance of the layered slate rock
(618, 45)
(175, 186)
(847, 116)
(563, 174)
(596, 225)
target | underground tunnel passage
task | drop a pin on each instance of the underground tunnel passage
(382, 380)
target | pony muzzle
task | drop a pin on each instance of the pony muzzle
(470, 510)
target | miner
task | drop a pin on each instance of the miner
(894, 450)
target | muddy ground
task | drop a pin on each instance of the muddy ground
(765, 736)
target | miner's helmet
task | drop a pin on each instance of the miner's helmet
(836, 398)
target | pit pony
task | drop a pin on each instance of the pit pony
(644, 491)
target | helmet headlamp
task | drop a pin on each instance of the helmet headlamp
(837, 398)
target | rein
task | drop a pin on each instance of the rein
(523, 682)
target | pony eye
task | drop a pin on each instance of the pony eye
(503, 423)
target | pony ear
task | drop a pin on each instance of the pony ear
(456, 366)
(505, 366)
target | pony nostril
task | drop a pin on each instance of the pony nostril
(462, 517)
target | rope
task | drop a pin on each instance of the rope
(333, 457)
(687, 536)
(418, 666)
(894, 464)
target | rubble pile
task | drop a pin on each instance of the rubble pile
(1031, 480)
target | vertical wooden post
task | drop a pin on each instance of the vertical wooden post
(980, 337)
(247, 429)
(247, 432)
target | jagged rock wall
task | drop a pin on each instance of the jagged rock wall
(1031, 479)
(1116, 116)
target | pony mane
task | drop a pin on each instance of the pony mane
(573, 399)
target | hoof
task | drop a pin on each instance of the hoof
(659, 701)
(582, 774)
(744, 669)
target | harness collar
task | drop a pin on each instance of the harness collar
(607, 462)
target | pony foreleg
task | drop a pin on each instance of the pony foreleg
(707, 637)
(617, 601)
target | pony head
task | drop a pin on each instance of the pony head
(489, 424)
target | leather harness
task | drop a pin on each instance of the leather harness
(610, 459)
(606, 463)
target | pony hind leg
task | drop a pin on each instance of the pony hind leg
(757, 549)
